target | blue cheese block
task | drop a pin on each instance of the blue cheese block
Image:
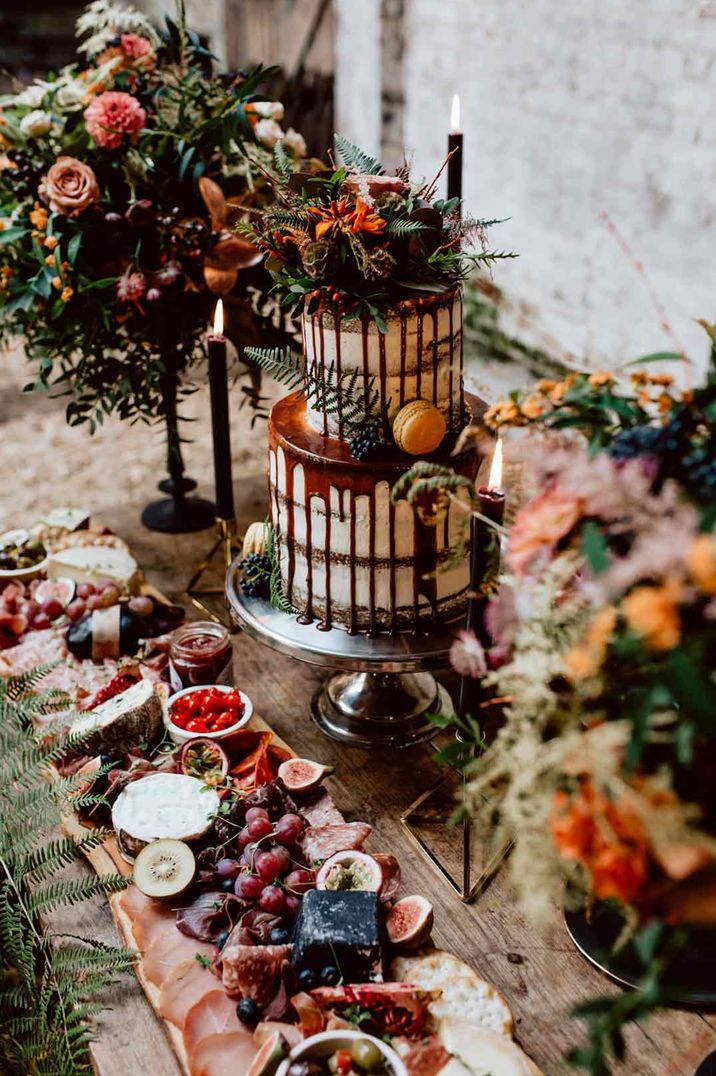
(340, 929)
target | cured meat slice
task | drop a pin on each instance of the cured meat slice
(310, 1015)
(320, 842)
(253, 971)
(227, 1054)
(186, 984)
(267, 1028)
(169, 949)
(396, 1008)
(213, 1014)
(149, 918)
(321, 811)
(425, 1058)
(390, 869)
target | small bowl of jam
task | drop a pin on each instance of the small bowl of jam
(200, 653)
(211, 712)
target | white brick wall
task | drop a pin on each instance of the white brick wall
(569, 110)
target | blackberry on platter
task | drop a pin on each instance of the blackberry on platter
(365, 440)
(256, 577)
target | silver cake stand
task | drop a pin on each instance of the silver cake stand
(381, 694)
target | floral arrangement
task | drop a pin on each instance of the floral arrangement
(356, 240)
(599, 648)
(120, 177)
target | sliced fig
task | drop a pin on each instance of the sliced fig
(350, 870)
(269, 1057)
(409, 922)
(164, 868)
(206, 759)
(302, 774)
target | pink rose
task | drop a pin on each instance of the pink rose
(69, 187)
(134, 47)
(540, 525)
(112, 115)
(374, 186)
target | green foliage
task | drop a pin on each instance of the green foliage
(355, 159)
(276, 595)
(49, 983)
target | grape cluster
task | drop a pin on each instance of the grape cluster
(256, 577)
(24, 176)
(365, 440)
(701, 467)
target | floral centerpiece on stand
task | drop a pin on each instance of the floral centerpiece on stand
(121, 178)
(601, 653)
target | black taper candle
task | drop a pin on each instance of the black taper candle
(454, 168)
(221, 432)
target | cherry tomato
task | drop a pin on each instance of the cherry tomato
(344, 1062)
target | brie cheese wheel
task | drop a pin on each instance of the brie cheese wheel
(163, 805)
(90, 563)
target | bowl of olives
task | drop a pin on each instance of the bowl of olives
(21, 556)
(342, 1053)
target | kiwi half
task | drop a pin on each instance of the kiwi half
(164, 868)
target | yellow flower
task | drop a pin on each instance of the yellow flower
(652, 612)
(600, 378)
(545, 384)
(557, 393)
(57, 282)
(532, 407)
(701, 563)
(580, 663)
(51, 242)
(66, 295)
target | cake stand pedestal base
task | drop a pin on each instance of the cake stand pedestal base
(382, 692)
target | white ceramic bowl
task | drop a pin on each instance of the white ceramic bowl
(23, 575)
(182, 735)
(326, 1043)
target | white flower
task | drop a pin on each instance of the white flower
(295, 142)
(268, 132)
(36, 124)
(32, 96)
(70, 95)
(267, 110)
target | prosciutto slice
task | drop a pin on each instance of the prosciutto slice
(321, 842)
(213, 1014)
(186, 984)
(227, 1054)
(149, 918)
(169, 949)
(253, 971)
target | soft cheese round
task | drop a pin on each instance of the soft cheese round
(165, 805)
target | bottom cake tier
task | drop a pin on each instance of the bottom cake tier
(348, 557)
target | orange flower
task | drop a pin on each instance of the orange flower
(664, 403)
(504, 411)
(661, 379)
(50, 242)
(653, 613)
(38, 217)
(600, 378)
(639, 377)
(7, 271)
(545, 384)
(620, 871)
(573, 827)
(584, 661)
(339, 216)
(57, 282)
(50, 259)
(66, 294)
(532, 406)
(362, 220)
(701, 563)
(580, 663)
(540, 525)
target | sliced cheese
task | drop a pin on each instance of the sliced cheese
(133, 716)
(478, 1051)
(90, 563)
(69, 519)
(163, 805)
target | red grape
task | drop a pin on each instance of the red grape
(243, 839)
(259, 827)
(85, 590)
(267, 865)
(283, 856)
(41, 621)
(29, 608)
(94, 602)
(76, 609)
(256, 812)
(142, 605)
(273, 900)
(299, 881)
(289, 828)
(110, 596)
(249, 886)
(293, 903)
(52, 608)
(228, 868)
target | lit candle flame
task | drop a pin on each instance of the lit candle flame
(455, 114)
(219, 319)
(495, 479)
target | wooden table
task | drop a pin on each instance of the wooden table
(540, 973)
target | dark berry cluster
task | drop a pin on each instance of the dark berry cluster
(256, 577)
(23, 175)
(365, 440)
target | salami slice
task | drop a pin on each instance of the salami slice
(321, 811)
(390, 869)
(321, 842)
(253, 971)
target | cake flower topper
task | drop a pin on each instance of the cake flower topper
(357, 241)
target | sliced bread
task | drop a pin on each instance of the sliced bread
(482, 1052)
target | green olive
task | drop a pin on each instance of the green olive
(367, 1055)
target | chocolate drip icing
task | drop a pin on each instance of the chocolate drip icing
(419, 375)
(307, 615)
(323, 372)
(325, 624)
(403, 355)
(339, 370)
(383, 368)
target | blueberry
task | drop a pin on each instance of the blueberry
(330, 975)
(227, 884)
(222, 938)
(280, 936)
(248, 1012)
(308, 980)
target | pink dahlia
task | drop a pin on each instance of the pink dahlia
(134, 47)
(467, 656)
(131, 287)
(111, 116)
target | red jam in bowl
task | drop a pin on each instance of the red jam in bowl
(205, 711)
(200, 653)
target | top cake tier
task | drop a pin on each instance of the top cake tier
(420, 356)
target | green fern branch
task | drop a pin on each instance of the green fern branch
(403, 226)
(355, 159)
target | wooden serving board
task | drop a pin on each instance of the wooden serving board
(107, 859)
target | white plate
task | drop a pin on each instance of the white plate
(21, 574)
(326, 1043)
(182, 735)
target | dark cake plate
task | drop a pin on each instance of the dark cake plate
(382, 692)
(691, 978)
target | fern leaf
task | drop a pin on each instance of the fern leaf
(355, 159)
(281, 159)
(68, 893)
(402, 226)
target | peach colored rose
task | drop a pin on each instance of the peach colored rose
(134, 47)
(540, 525)
(69, 187)
(113, 115)
(374, 186)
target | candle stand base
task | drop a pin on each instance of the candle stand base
(225, 548)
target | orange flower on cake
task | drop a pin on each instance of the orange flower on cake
(701, 563)
(113, 115)
(69, 188)
(540, 526)
(653, 613)
(343, 217)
